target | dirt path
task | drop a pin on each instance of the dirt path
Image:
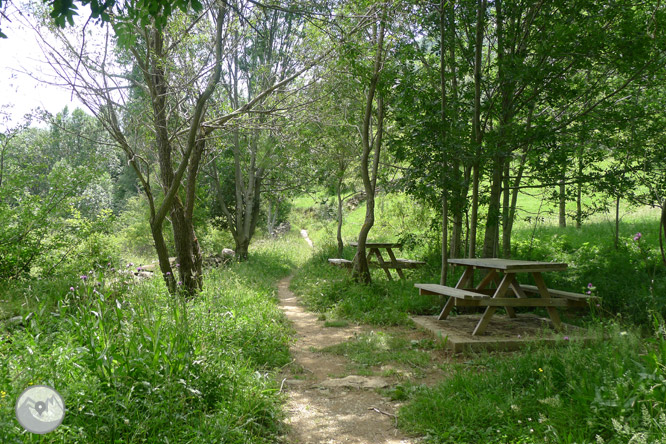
(322, 407)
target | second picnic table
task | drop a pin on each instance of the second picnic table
(503, 273)
(392, 263)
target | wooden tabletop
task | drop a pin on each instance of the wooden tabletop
(378, 244)
(510, 265)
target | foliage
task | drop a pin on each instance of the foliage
(134, 364)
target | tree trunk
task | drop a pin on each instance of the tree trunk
(579, 195)
(163, 256)
(492, 221)
(361, 271)
(563, 204)
(338, 190)
(506, 211)
(617, 222)
(476, 123)
(445, 164)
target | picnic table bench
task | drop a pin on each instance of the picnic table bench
(503, 272)
(392, 263)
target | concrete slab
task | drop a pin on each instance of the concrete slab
(503, 333)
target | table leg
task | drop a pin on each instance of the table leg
(543, 291)
(447, 308)
(490, 277)
(467, 276)
(490, 311)
(394, 262)
(381, 262)
(509, 310)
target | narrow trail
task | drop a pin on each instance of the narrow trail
(323, 408)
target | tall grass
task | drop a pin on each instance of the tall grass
(136, 365)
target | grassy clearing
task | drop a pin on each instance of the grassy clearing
(135, 365)
(609, 392)
(330, 290)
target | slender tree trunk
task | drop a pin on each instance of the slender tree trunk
(338, 191)
(163, 256)
(361, 271)
(579, 194)
(563, 201)
(617, 222)
(506, 211)
(492, 221)
(445, 123)
(476, 123)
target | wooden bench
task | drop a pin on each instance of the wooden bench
(457, 293)
(574, 297)
(399, 264)
(344, 263)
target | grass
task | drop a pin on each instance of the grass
(378, 348)
(330, 290)
(136, 365)
(607, 392)
(612, 391)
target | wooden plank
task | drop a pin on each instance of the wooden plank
(394, 262)
(341, 262)
(380, 260)
(467, 276)
(514, 302)
(435, 289)
(398, 266)
(490, 277)
(561, 293)
(447, 309)
(485, 319)
(543, 291)
(510, 264)
(378, 244)
(501, 291)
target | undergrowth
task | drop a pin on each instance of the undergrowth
(610, 391)
(135, 364)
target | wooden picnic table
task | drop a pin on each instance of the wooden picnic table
(392, 263)
(503, 272)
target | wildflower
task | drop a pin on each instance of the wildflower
(540, 370)
(84, 277)
(180, 282)
(177, 265)
(588, 292)
(139, 269)
(168, 273)
(637, 236)
(590, 285)
(531, 430)
(598, 305)
(71, 288)
(519, 336)
(566, 338)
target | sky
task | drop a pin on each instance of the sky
(20, 53)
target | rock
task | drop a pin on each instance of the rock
(282, 229)
(353, 381)
(219, 259)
